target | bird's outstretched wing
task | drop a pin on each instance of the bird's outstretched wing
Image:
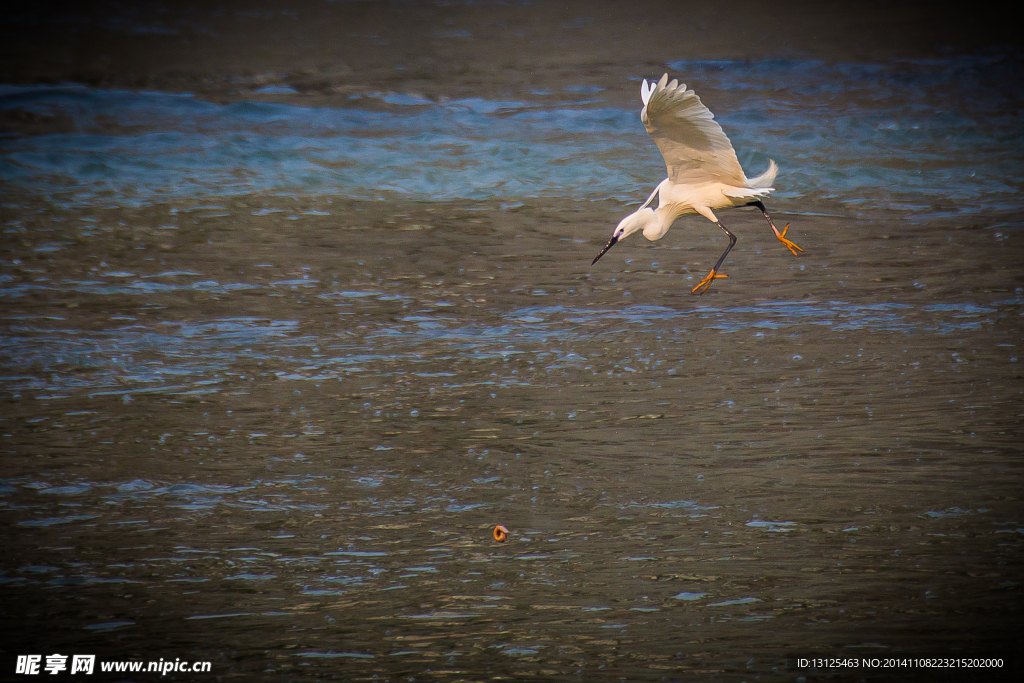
(695, 147)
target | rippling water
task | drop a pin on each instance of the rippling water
(182, 358)
(255, 415)
(925, 137)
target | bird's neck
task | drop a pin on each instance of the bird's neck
(656, 228)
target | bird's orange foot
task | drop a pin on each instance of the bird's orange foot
(787, 243)
(706, 283)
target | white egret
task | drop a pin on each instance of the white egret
(703, 171)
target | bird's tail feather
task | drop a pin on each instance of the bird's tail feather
(767, 178)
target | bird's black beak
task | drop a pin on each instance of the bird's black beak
(611, 243)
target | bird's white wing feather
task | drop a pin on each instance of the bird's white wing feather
(695, 147)
(645, 91)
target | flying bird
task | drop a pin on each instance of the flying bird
(703, 172)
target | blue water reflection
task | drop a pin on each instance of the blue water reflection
(923, 137)
(211, 356)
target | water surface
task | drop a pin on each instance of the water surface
(272, 371)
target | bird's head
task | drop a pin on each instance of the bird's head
(639, 220)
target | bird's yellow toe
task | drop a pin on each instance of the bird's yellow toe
(706, 283)
(789, 244)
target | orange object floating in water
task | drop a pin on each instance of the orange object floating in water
(500, 533)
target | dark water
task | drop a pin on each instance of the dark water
(272, 372)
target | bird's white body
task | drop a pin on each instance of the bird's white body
(703, 171)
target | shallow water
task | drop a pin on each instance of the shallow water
(256, 415)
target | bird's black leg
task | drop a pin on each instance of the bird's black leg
(705, 284)
(780, 235)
